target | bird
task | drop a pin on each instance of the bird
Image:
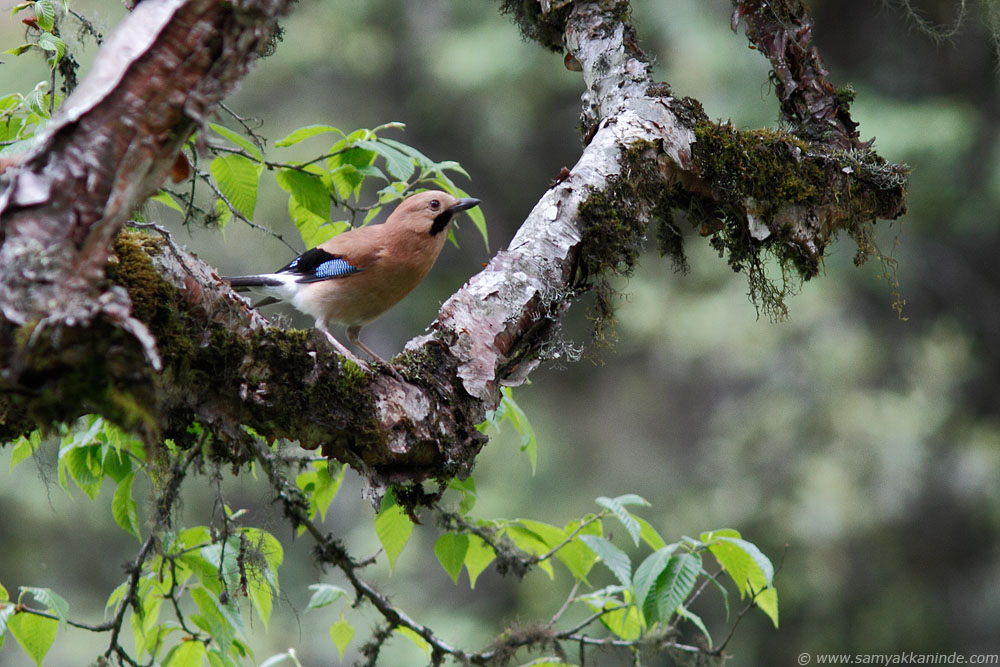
(359, 274)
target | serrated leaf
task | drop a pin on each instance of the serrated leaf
(324, 594)
(527, 540)
(743, 561)
(417, 640)
(467, 487)
(189, 653)
(123, 507)
(399, 166)
(303, 133)
(45, 12)
(767, 600)
(78, 463)
(613, 558)
(421, 159)
(237, 179)
(617, 507)
(239, 140)
(341, 633)
(307, 189)
(52, 44)
(478, 557)
(649, 570)
(34, 633)
(393, 528)
(575, 555)
(672, 587)
(320, 487)
(450, 550)
(6, 613)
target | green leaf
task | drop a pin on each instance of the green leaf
(306, 132)
(52, 601)
(450, 550)
(165, 198)
(79, 463)
(613, 558)
(24, 447)
(45, 12)
(123, 507)
(19, 49)
(767, 600)
(189, 653)
(213, 618)
(6, 613)
(399, 166)
(34, 633)
(743, 561)
(575, 555)
(467, 487)
(649, 570)
(324, 594)
(698, 623)
(519, 420)
(672, 587)
(528, 540)
(617, 507)
(320, 487)
(54, 45)
(237, 178)
(341, 633)
(477, 558)
(239, 140)
(393, 528)
(308, 191)
(417, 640)
(649, 535)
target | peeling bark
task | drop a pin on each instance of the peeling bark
(168, 343)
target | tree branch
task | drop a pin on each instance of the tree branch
(169, 343)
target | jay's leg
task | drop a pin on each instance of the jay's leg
(353, 334)
(341, 348)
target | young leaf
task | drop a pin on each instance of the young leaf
(767, 600)
(519, 420)
(6, 613)
(477, 558)
(450, 550)
(123, 507)
(239, 140)
(393, 528)
(743, 561)
(34, 633)
(324, 594)
(649, 570)
(397, 164)
(237, 178)
(306, 132)
(307, 189)
(613, 558)
(341, 633)
(649, 535)
(575, 555)
(53, 602)
(617, 507)
(672, 587)
(54, 45)
(45, 12)
(189, 653)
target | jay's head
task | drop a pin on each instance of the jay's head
(429, 212)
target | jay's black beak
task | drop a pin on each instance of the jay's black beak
(463, 204)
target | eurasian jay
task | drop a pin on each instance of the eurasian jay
(356, 276)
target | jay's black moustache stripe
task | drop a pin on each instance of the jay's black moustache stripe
(441, 222)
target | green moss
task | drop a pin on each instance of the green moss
(544, 28)
(761, 178)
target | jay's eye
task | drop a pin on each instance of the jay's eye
(435, 204)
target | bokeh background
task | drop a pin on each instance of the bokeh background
(860, 449)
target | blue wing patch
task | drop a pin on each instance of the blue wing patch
(316, 265)
(334, 268)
